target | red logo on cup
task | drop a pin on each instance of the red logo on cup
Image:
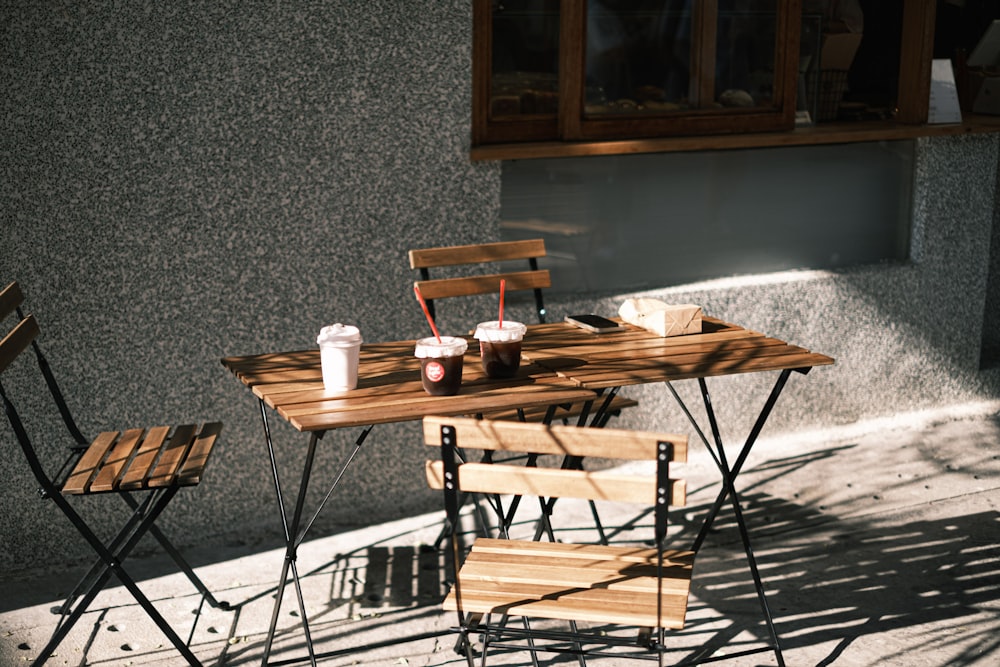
(434, 371)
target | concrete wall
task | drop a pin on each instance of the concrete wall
(184, 181)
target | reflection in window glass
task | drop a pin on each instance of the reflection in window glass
(525, 71)
(633, 222)
(659, 56)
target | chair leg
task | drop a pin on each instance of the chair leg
(113, 565)
(576, 645)
(180, 561)
(531, 641)
(99, 566)
(71, 616)
(463, 646)
(601, 536)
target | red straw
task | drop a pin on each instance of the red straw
(503, 286)
(430, 320)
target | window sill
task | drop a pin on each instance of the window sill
(824, 133)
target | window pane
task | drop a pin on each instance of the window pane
(634, 222)
(525, 59)
(744, 63)
(661, 56)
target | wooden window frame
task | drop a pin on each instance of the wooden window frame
(908, 122)
(572, 124)
(704, 119)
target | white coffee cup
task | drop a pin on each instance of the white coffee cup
(339, 347)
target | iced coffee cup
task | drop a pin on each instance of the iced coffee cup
(339, 347)
(500, 347)
(441, 364)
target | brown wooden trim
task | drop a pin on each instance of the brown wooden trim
(704, 35)
(915, 56)
(486, 130)
(822, 134)
(572, 65)
(480, 70)
(574, 125)
(786, 59)
(618, 136)
(697, 123)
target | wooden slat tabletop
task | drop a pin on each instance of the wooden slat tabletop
(635, 356)
(389, 388)
(561, 364)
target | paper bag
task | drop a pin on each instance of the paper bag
(662, 318)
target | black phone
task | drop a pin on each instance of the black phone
(594, 323)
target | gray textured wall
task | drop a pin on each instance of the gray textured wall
(184, 181)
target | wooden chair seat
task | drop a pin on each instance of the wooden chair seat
(573, 582)
(138, 459)
(144, 468)
(642, 589)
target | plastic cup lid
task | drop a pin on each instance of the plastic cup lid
(450, 346)
(491, 331)
(339, 334)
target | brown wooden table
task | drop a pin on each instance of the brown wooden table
(389, 390)
(561, 364)
(606, 362)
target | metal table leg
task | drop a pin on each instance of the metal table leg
(294, 535)
(729, 474)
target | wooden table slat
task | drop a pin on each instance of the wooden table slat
(603, 378)
(560, 364)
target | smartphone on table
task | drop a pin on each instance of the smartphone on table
(594, 323)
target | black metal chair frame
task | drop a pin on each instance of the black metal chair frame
(498, 635)
(540, 311)
(111, 555)
(598, 418)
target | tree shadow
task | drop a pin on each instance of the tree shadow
(835, 581)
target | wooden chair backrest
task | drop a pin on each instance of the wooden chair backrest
(517, 479)
(114, 461)
(22, 334)
(531, 250)
(10, 298)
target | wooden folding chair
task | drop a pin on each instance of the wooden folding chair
(144, 467)
(478, 262)
(616, 600)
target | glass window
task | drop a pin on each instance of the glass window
(548, 70)
(657, 56)
(525, 59)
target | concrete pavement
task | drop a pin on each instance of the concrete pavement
(878, 544)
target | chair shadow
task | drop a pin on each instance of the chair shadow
(830, 582)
